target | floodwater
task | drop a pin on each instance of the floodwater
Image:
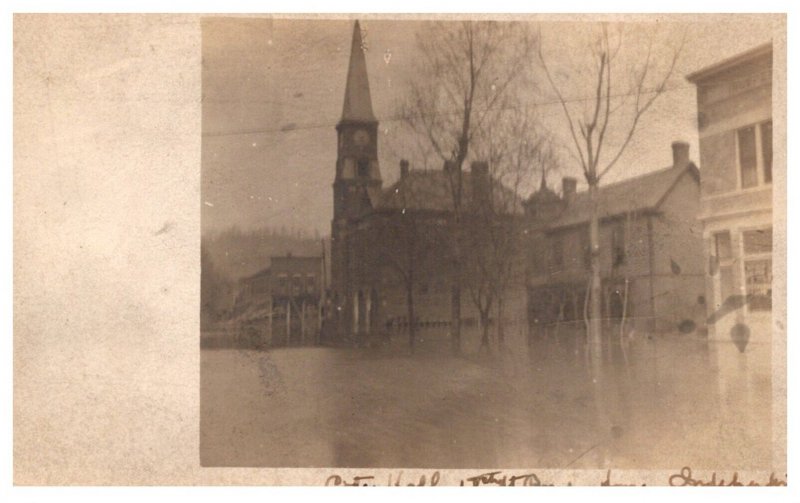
(657, 402)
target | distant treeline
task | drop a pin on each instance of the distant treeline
(239, 253)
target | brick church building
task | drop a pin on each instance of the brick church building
(392, 245)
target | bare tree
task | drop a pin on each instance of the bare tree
(519, 152)
(405, 244)
(611, 110)
(467, 74)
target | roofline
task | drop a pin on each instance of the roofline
(632, 178)
(690, 168)
(731, 62)
(262, 272)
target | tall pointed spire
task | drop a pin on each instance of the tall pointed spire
(357, 101)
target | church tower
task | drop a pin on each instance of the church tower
(358, 178)
(356, 189)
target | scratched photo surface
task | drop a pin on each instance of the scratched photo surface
(465, 244)
(392, 250)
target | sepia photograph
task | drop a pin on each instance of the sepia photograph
(385, 249)
(467, 243)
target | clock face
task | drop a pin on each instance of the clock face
(361, 137)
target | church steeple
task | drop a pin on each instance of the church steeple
(357, 100)
(357, 185)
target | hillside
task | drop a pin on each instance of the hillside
(237, 254)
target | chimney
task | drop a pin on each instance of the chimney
(480, 180)
(680, 154)
(403, 168)
(569, 187)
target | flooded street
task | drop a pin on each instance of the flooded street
(661, 404)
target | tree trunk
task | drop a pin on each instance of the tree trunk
(412, 330)
(455, 315)
(595, 308)
(501, 335)
(455, 306)
(623, 342)
(485, 329)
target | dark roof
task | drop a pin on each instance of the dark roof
(431, 190)
(263, 272)
(637, 194)
(357, 100)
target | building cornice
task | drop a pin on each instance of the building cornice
(712, 70)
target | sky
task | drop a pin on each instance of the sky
(273, 91)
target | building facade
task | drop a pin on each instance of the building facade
(281, 305)
(651, 251)
(734, 105)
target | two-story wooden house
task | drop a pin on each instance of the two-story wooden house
(650, 246)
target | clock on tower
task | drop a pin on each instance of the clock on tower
(361, 138)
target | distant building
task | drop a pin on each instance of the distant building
(651, 250)
(734, 105)
(280, 305)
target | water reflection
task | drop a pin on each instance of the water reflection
(652, 402)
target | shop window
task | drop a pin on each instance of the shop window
(757, 247)
(757, 241)
(758, 277)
